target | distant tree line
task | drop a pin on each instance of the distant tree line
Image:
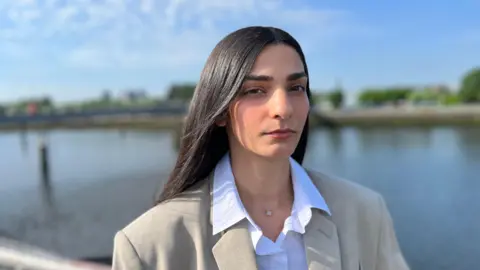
(181, 92)
(184, 92)
(395, 95)
(130, 98)
(469, 92)
(42, 105)
(381, 96)
(470, 89)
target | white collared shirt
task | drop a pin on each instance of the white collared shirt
(288, 251)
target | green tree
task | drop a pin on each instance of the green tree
(396, 94)
(182, 92)
(424, 95)
(372, 97)
(382, 96)
(434, 95)
(336, 98)
(470, 87)
(450, 99)
(45, 102)
(316, 98)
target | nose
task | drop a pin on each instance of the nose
(280, 104)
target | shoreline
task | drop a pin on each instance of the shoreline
(104, 122)
(406, 116)
(369, 117)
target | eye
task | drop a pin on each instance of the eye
(299, 88)
(252, 91)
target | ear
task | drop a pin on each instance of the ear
(221, 120)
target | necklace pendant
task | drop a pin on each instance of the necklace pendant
(268, 213)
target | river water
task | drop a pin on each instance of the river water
(428, 176)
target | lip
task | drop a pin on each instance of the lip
(281, 133)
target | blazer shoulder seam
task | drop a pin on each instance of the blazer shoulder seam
(132, 246)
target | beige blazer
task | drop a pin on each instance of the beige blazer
(178, 234)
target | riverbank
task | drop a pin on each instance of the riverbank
(104, 122)
(406, 116)
(389, 116)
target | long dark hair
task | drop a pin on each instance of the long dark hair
(203, 143)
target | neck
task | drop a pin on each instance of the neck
(262, 180)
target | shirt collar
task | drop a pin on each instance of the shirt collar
(228, 209)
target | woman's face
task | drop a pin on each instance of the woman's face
(270, 112)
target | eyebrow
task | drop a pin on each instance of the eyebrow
(291, 77)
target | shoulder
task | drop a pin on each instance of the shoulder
(344, 195)
(362, 214)
(341, 187)
(172, 221)
(356, 210)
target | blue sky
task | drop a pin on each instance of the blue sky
(72, 49)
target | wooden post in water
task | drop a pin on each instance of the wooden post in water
(44, 162)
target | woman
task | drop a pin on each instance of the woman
(238, 197)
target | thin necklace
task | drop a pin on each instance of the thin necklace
(269, 213)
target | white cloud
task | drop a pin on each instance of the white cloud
(147, 6)
(152, 34)
(26, 2)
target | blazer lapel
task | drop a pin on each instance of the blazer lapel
(234, 250)
(321, 243)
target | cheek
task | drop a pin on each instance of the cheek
(244, 119)
(302, 107)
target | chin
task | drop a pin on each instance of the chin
(277, 152)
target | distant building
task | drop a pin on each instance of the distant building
(106, 95)
(32, 109)
(134, 94)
